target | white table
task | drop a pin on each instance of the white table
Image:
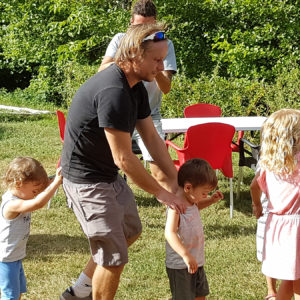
(240, 123)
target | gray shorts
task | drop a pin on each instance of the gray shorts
(187, 286)
(108, 216)
(135, 136)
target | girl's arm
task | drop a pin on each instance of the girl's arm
(255, 192)
(210, 200)
(13, 208)
(175, 242)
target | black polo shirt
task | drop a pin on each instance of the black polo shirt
(104, 101)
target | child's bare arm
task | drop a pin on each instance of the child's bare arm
(14, 208)
(217, 195)
(175, 242)
(256, 192)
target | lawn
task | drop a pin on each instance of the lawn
(57, 250)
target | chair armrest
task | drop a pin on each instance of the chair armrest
(169, 143)
(248, 158)
(253, 146)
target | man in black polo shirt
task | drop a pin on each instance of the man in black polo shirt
(97, 143)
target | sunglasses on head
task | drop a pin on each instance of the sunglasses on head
(155, 37)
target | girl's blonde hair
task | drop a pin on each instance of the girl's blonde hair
(23, 170)
(279, 142)
(132, 46)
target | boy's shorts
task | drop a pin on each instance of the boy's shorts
(12, 280)
(187, 286)
(108, 216)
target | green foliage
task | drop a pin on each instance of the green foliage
(236, 96)
(254, 37)
(42, 40)
(43, 36)
(75, 74)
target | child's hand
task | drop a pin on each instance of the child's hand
(257, 210)
(191, 263)
(216, 196)
(58, 177)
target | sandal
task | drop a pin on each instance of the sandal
(270, 296)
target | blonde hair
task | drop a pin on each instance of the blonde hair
(132, 46)
(280, 140)
(23, 170)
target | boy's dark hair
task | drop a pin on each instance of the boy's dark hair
(145, 8)
(197, 172)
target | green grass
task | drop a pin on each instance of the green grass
(57, 250)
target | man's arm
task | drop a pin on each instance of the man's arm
(164, 78)
(164, 81)
(111, 51)
(107, 60)
(120, 145)
(158, 150)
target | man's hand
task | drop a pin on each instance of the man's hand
(171, 200)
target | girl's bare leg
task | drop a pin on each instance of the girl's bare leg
(271, 284)
(296, 288)
(285, 291)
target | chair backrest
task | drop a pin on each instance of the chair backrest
(202, 110)
(212, 142)
(61, 124)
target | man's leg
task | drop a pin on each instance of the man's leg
(82, 288)
(83, 285)
(90, 268)
(106, 281)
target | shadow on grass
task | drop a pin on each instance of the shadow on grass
(242, 205)
(149, 201)
(47, 244)
(222, 231)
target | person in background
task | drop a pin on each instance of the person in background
(101, 119)
(184, 232)
(279, 179)
(28, 189)
(144, 12)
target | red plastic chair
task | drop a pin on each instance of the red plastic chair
(200, 110)
(212, 142)
(210, 110)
